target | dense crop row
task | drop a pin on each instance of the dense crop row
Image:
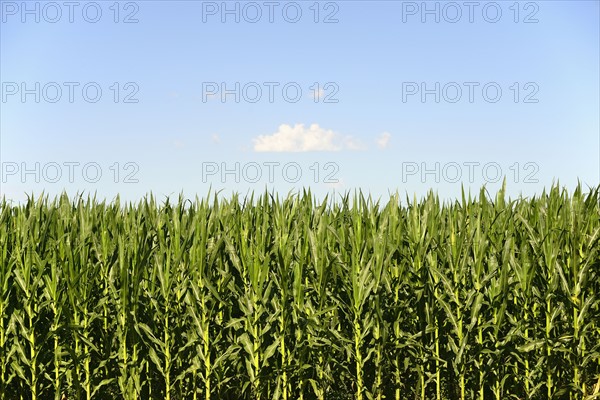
(293, 299)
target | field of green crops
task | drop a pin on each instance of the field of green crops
(290, 298)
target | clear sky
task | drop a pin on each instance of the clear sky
(373, 95)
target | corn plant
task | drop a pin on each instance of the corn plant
(263, 297)
(8, 229)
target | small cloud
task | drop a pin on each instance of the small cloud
(178, 144)
(215, 138)
(301, 139)
(383, 140)
(317, 94)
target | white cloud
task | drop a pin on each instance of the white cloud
(383, 140)
(317, 95)
(301, 139)
(215, 138)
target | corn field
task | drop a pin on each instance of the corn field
(293, 298)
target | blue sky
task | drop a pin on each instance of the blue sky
(369, 128)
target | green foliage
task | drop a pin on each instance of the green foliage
(269, 298)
